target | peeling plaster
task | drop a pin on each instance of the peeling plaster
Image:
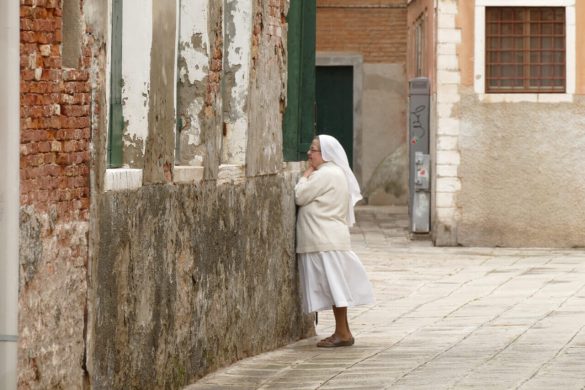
(238, 37)
(194, 40)
(193, 68)
(136, 46)
(133, 148)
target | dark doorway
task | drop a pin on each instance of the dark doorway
(334, 99)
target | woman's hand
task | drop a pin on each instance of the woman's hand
(310, 169)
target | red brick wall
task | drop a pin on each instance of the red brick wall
(54, 182)
(375, 28)
(55, 120)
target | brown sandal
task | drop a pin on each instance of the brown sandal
(333, 341)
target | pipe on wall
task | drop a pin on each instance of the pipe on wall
(9, 189)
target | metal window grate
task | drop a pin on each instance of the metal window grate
(525, 49)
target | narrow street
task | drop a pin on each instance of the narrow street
(445, 318)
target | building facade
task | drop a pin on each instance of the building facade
(156, 213)
(365, 42)
(507, 119)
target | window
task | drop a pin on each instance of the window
(419, 49)
(525, 49)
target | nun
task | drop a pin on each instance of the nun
(331, 274)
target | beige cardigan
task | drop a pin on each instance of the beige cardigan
(324, 200)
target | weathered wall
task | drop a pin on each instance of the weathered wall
(215, 282)
(156, 286)
(185, 278)
(267, 87)
(54, 174)
(378, 31)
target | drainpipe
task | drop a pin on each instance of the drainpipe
(9, 188)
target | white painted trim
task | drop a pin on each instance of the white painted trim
(571, 45)
(9, 189)
(176, 76)
(524, 3)
(571, 49)
(108, 80)
(479, 62)
(121, 179)
(525, 97)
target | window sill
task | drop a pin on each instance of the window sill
(120, 179)
(525, 97)
(187, 174)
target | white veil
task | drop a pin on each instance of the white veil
(331, 150)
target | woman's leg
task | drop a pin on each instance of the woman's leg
(341, 324)
(342, 336)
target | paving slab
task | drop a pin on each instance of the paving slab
(445, 318)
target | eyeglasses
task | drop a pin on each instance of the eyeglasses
(313, 150)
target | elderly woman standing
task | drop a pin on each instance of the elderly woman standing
(331, 274)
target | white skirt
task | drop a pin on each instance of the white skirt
(333, 278)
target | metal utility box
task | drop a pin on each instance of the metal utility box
(419, 184)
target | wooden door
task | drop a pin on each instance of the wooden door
(334, 96)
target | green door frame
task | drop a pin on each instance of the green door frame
(116, 119)
(299, 117)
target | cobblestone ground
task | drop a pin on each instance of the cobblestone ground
(445, 318)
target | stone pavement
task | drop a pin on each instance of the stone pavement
(445, 318)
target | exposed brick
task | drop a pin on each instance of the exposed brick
(75, 75)
(379, 33)
(54, 110)
(75, 110)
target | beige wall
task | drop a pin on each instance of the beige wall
(384, 162)
(520, 163)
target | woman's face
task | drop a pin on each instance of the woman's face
(314, 154)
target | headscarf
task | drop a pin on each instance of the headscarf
(331, 150)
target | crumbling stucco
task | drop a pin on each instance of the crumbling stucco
(193, 67)
(187, 278)
(160, 144)
(190, 278)
(133, 149)
(236, 79)
(267, 88)
(136, 61)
